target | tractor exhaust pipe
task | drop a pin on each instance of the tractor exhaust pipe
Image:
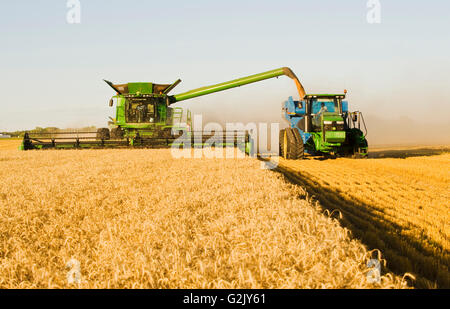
(307, 116)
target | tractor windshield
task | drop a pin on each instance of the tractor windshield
(324, 105)
(321, 106)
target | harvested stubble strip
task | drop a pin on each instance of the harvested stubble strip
(397, 205)
(141, 219)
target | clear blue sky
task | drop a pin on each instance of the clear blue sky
(51, 72)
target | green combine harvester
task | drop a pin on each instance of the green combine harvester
(145, 118)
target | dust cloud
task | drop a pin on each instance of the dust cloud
(381, 131)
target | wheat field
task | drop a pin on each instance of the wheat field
(9, 144)
(141, 219)
(399, 206)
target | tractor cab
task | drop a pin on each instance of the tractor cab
(326, 109)
(326, 112)
(315, 110)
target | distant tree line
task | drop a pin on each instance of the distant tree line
(48, 130)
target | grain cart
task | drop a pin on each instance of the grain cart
(320, 124)
(145, 118)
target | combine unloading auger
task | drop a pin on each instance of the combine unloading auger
(240, 82)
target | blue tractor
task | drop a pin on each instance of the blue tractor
(320, 124)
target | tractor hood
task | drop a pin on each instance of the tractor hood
(333, 128)
(330, 117)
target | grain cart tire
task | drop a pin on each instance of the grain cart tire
(116, 133)
(103, 134)
(300, 147)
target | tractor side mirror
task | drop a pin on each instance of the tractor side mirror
(355, 117)
(111, 102)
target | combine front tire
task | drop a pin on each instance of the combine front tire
(116, 133)
(103, 134)
(165, 133)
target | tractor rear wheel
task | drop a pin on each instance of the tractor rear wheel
(300, 151)
(103, 134)
(291, 144)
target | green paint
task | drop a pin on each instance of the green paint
(335, 136)
(327, 116)
(140, 88)
(228, 85)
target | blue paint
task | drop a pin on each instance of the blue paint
(344, 106)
